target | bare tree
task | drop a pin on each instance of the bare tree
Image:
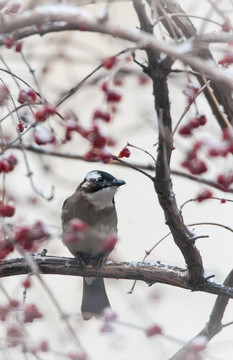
(66, 69)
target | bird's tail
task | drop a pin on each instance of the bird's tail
(95, 299)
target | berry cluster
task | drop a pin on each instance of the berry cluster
(8, 163)
(206, 194)
(193, 163)
(27, 236)
(112, 95)
(27, 96)
(42, 114)
(94, 135)
(194, 123)
(43, 136)
(9, 42)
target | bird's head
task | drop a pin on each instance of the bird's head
(99, 188)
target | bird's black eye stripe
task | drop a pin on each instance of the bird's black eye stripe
(99, 180)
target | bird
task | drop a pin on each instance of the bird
(89, 217)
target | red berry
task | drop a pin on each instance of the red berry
(12, 160)
(153, 330)
(15, 334)
(109, 244)
(113, 96)
(44, 346)
(27, 96)
(4, 310)
(20, 127)
(18, 47)
(31, 313)
(7, 210)
(4, 94)
(202, 120)
(125, 152)
(197, 145)
(118, 82)
(194, 123)
(77, 225)
(26, 235)
(9, 41)
(49, 109)
(4, 166)
(43, 136)
(42, 114)
(27, 283)
(143, 79)
(99, 114)
(108, 63)
(191, 91)
(206, 194)
(225, 180)
(105, 156)
(197, 167)
(223, 201)
(214, 152)
(104, 86)
(5, 249)
(96, 138)
(226, 26)
(185, 130)
(227, 134)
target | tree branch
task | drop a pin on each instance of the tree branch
(214, 325)
(162, 182)
(44, 20)
(222, 94)
(148, 272)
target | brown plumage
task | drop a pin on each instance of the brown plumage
(93, 204)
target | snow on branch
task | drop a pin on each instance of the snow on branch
(46, 19)
(153, 272)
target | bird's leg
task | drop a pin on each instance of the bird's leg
(100, 259)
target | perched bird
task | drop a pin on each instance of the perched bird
(88, 218)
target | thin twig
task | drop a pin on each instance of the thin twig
(210, 198)
(145, 151)
(189, 106)
(212, 224)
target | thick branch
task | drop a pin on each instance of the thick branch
(214, 325)
(148, 272)
(44, 20)
(222, 93)
(162, 183)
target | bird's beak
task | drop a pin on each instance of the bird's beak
(117, 182)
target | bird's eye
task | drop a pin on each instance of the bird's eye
(99, 180)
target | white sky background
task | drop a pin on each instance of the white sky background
(182, 314)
